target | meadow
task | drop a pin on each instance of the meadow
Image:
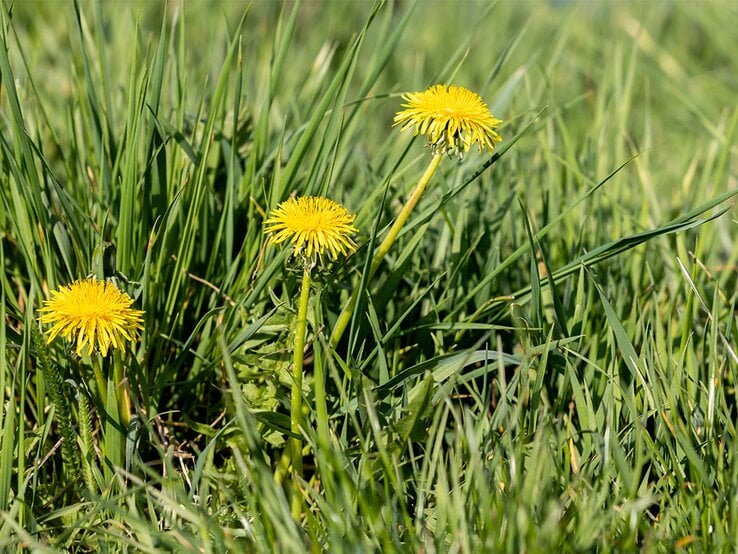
(544, 361)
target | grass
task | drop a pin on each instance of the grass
(545, 361)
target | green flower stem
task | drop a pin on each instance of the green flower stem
(345, 316)
(296, 401)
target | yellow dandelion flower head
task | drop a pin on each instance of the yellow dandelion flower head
(93, 313)
(453, 118)
(312, 224)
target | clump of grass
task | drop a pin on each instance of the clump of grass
(544, 360)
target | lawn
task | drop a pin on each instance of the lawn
(538, 356)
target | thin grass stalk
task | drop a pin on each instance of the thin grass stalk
(70, 450)
(321, 405)
(124, 399)
(100, 379)
(85, 430)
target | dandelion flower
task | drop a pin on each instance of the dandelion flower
(94, 313)
(453, 118)
(313, 224)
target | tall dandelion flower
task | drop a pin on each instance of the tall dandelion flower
(94, 314)
(313, 225)
(452, 118)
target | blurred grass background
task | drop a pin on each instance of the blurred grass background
(475, 407)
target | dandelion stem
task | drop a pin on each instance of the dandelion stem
(345, 316)
(296, 401)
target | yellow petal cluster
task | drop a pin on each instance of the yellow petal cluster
(92, 313)
(453, 118)
(313, 225)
